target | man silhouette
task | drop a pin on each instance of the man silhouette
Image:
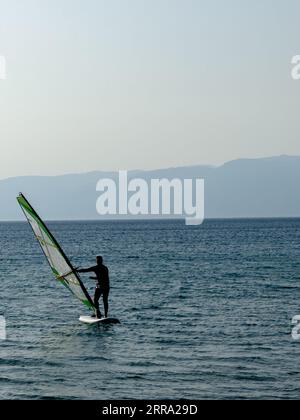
(102, 286)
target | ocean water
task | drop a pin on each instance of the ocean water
(206, 312)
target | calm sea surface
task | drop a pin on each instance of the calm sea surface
(206, 312)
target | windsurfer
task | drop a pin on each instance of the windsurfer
(102, 285)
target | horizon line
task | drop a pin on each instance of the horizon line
(156, 219)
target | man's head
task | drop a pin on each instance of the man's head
(99, 260)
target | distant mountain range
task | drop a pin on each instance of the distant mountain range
(241, 188)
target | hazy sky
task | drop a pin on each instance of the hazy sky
(127, 84)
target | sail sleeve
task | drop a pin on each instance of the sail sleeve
(58, 261)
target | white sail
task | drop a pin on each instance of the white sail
(59, 263)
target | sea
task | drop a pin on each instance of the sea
(206, 312)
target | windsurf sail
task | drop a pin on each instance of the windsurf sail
(60, 265)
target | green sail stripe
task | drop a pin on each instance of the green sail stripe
(43, 242)
(32, 213)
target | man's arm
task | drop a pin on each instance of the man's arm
(86, 270)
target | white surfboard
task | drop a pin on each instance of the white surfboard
(91, 320)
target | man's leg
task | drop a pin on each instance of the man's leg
(96, 302)
(105, 301)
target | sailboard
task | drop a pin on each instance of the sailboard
(61, 266)
(92, 321)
